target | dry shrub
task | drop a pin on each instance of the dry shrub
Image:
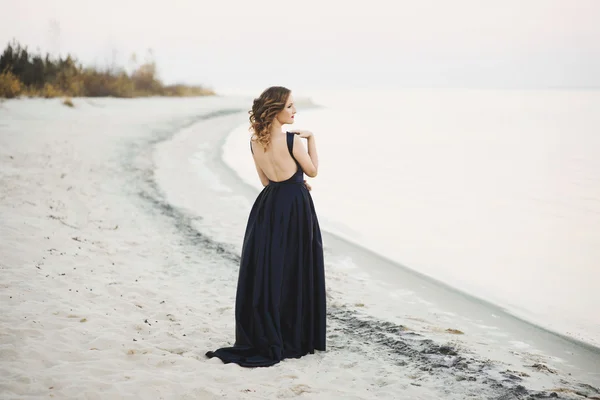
(180, 90)
(10, 85)
(50, 91)
(33, 75)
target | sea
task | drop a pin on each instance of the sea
(495, 193)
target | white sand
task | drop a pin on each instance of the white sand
(109, 292)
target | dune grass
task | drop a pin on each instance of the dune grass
(32, 75)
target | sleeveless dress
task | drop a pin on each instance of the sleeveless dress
(280, 301)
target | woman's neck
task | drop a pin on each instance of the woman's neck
(276, 128)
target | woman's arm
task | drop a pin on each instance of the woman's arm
(308, 160)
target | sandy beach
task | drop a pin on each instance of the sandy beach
(120, 234)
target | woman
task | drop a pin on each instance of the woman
(280, 300)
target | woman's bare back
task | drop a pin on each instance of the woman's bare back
(276, 162)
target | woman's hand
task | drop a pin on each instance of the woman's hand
(303, 134)
(307, 185)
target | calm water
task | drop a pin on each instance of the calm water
(496, 193)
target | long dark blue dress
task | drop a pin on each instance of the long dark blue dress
(280, 300)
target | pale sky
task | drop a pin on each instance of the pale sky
(326, 44)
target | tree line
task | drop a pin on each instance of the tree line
(23, 73)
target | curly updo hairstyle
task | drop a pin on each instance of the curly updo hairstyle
(264, 110)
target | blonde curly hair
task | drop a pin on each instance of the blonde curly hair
(264, 109)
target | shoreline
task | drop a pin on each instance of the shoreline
(342, 240)
(229, 178)
(141, 199)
